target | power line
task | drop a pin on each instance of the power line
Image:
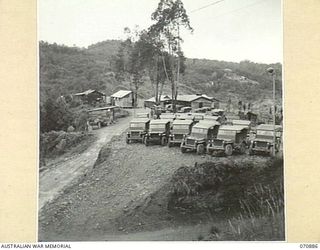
(247, 6)
(206, 6)
(244, 7)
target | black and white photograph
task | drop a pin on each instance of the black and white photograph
(161, 120)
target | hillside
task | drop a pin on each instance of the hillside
(65, 70)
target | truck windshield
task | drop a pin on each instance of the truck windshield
(226, 134)
(157, 127)
(136, 125)
(180, 127)
(264, 133)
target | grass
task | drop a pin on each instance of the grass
(245, 200)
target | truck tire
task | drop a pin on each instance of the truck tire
(146, 141)
(127, 140)
(183, 149)
(169, 143)
(200, 149)
(163, 141)
(228, 150)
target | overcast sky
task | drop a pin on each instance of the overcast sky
(230, 30)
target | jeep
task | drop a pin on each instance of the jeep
(184, 116)
(142, 115)
(159, 131)
(178, 130)
(263, 141)
(137, 129)
(201, 133)
(230, 138)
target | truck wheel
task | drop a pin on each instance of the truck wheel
(146, 142)
(169, 143)
(242, 148)
(200, 149)
(183, 149)
(163, 141)
(228, 150)
(127, 140)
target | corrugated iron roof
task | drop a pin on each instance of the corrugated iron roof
(191, 98)
(162, 98)
(121, 93)
(89, 91)
(103, 108)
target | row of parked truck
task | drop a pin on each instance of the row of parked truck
(207, 134)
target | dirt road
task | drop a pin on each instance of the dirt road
(60, 175)
(90, 209)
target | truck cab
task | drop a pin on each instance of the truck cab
(263, 141)
(158, 133)
(138, 128)
(201, 134)
(178, 130)
(230, 138)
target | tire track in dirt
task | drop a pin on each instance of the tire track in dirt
(60, 175)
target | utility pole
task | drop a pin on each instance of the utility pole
(273, 73)
(178, 69)
(274, 112)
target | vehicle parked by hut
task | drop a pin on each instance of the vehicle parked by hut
(179, 129)
(158, 133)
(263, 141)
(100, 117)
(230, 138)
(138, 128)
(202, 110)
(185, 110)
(184, 116)
(201, 134)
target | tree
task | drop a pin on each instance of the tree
(168, 17)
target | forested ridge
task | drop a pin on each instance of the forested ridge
(67, 70)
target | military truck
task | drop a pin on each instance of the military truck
(198, 116)
(230, 138)
(168, 116)
(142, 115)
(184, 116)
(211, 118)
(178, 130)
(138, 128)
(263, 141)
(158, 133)
(241, 122)
(201, 133)
(100, 117)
